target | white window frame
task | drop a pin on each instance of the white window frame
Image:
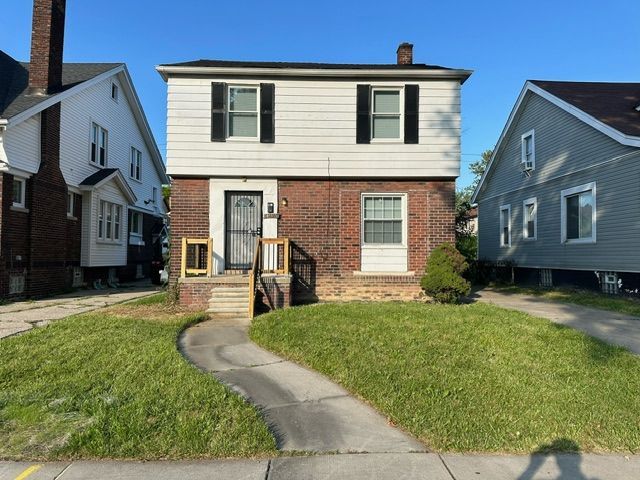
(115, 92)
(403, 209)
(523, 146)
(228, 134)
(591, 186)
(110, 229)
(135, 163)
(138, 225)
(506, 208)
(106, 147)
(525, 230)
(22, 203)
(154, 195)
(71, 205)
(400, 90)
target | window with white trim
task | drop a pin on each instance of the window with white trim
(135, 164)
(109, 221)
(115, 91)
(99, 143)
(154, 195)
(505, 226)
(530, 219)
(243, 112)
(386, 114)
(528, 155)
(19, 192)
(383, 219)
(71, 202)
(578, 214)
(135, 227)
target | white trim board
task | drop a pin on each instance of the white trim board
(611, 132)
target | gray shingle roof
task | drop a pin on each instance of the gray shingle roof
(97, 177)
(303, 65)
(14, 80)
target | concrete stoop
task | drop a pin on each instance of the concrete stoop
(230, 299)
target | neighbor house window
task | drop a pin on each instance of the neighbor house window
(383, 219)
(505, 226)
(135, 164)
(135, 228)
(154, 195)
(19, 192)
(71, 202)
(385, 114)
(530, 218)
(115, 91)
(578, 214)
(528, 151)
(109, 221)
(243, 112)
(99, 141)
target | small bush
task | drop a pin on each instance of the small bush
(443, 280)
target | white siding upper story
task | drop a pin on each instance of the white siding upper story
(315, 132)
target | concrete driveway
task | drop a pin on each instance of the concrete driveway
(19, 317)
(611, 327)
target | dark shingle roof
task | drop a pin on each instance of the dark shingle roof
(303, 65)
(614, 104)
(14, 80)
(97, 177)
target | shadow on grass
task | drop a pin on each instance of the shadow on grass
(569, 461)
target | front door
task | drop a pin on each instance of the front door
(243, 226)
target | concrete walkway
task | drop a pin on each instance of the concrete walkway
(19, 317)
(304, 410)
(394, 466)
(613, 328)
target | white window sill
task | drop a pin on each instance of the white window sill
(71, 217)
(397, 141)
(243, 139)
(136, 240)
(97, 165)
(114, 243)
(529, 239)
(360, 273)
(19, 208)
(578, 241)
(386, 246)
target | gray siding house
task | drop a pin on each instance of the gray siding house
(560, 198)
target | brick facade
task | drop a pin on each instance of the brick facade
(189, 216)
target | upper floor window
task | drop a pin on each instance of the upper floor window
(530, 218)
(383, 218)
(505, 226)
(99, 142)
(528, 156)
(154, 195)
(19, 192)
(386, 114)
(578, 214)
(135, 164)
(243, 112)
(109, 221)
(115, 91)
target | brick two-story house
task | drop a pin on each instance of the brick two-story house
(80, 172)
(351, 166)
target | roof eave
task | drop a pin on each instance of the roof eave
(456, 74)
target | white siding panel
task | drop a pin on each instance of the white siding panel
(315, 126)
(384, 259)
(22, 145)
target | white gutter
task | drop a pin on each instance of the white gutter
(462, 75)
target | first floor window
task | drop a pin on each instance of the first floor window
(71, 197)
(99, 141)
(385, 114)
(579, 213)
(530, 212)
(243, 112)
(505, 226)
(19, 192)
(135, 164)
(382, 219)
(135, 228)
(109, 221)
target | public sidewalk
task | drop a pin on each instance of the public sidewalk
(382, 466)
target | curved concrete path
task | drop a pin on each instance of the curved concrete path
(304, 410)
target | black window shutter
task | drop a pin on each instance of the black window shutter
(267, 113)
(411, 102)
(363, 119)
(218, 112)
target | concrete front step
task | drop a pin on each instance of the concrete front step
(228, 316)
(220, 303)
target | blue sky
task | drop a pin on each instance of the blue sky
(505, 42)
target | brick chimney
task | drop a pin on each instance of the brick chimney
(405, 54)
(47, 39)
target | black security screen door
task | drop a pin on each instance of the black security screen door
(243, 227)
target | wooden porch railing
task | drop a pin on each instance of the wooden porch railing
(272, 255)
(197, 260)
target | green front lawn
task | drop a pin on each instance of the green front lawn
(469, 378)
(112, 384)
(586, 298)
